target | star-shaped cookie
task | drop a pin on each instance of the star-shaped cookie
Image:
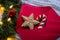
(29, 21)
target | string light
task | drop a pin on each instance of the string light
(11, 6)
(9, 19)
(1, 23)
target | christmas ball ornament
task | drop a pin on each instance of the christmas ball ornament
(12, 38)
(12, 13)
(2, 9)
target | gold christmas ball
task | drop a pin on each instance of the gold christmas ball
(2, 9)
(12, 38)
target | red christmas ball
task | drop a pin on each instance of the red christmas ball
(12, 12)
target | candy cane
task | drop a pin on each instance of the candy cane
(42, 19)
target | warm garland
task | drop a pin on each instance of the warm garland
(8, 17)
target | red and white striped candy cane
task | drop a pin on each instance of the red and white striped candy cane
(42, 19)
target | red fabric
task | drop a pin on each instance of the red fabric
(49, 32)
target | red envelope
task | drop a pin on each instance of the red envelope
(51, 31)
